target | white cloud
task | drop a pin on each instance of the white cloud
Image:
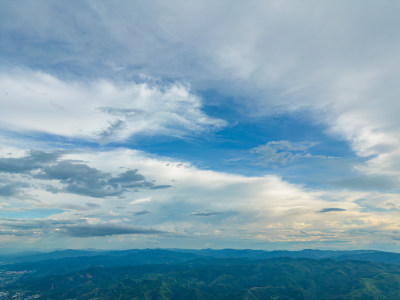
(264, 208)
(250, 207)
(99, 110)
(337, 60)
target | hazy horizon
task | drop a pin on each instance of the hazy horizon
(246, 253)
(168, 124)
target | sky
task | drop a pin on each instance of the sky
(199, 124)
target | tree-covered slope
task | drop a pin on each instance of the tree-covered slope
(279, 278)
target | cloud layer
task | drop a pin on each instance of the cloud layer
(73, 176)
(35, 102)
(97, 74)
(336, 60)
(203, 205)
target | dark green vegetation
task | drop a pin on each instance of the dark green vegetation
(208, 274)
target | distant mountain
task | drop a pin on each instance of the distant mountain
(65, 261)
(60, 264)
(374, 256)
(38, 256)
(260, 254)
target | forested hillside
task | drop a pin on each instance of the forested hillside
(185, 275)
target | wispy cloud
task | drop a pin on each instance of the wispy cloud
(282, 152)
(141, 213)
(331, 209)
(105, 229)
(99, 110)
(205, 214)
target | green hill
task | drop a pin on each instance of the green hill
(278, 278)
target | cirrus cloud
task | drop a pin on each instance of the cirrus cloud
(100, 110)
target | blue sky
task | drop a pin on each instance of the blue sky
(268, 125)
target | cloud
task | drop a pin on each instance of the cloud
(130, 179)
(106, 229)
(368, 182)
(140, 200)
(80, 179)
(205, 214)
(77, 228)
(33, 226)
(262, 209)
(99, 110)
(15, 233)
(12, 189)
(33, 160)
(93, 205)
(331, 209)
(345, 79)
(141, 213)
(282, 152)
(291, 59)
(265, 204)
(75, 177)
